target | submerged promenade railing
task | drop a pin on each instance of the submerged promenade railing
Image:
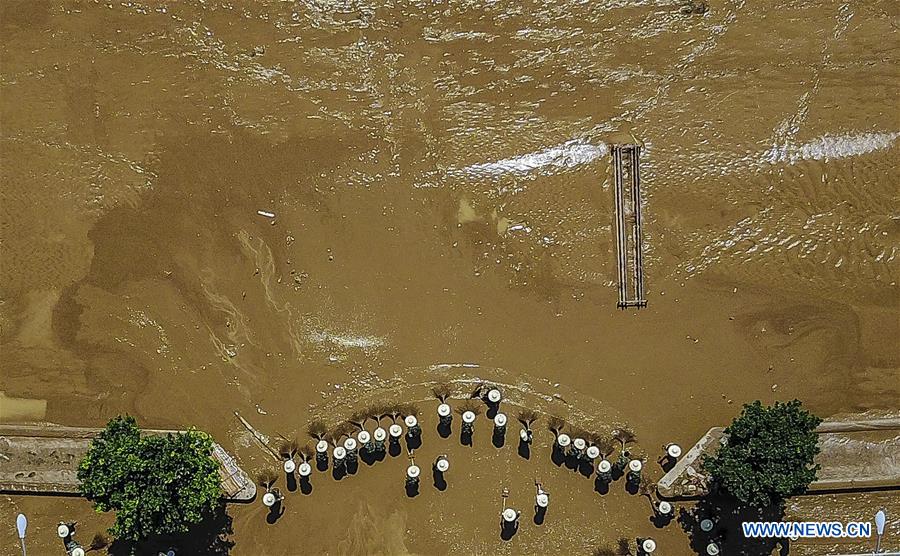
(626, 167)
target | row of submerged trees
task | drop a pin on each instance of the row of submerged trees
(376, 430)
(166, 486)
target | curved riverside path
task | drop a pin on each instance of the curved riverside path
(855, 454)
(43, 459)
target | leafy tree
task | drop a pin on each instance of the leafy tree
(768, 454)
(157, 485)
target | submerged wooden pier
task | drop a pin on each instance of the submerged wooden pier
(854, 455)
(43, 459)
(626, 167)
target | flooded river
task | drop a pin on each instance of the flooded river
(285, 208)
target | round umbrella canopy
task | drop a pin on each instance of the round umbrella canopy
(444, 410)
(268, 499)
(411, 421)
(305, 469)
(77, 551)
(665, 508)
(604, 466)
(593, 452)
(500, 420)
(321, 446)
(674, 451)
(468, 417)
(442, 464)
(340, 452)
(289, 466)
(510, 515)
(396, 431)
(412, 471)
(542, 500)
(363, 437)
(579, 444)
(706, 525)
(494, 395)
(635, 465)
(649, 545)
(62, 530)
(350, 444)
(712, 549)
(563, 440)
(379, 435)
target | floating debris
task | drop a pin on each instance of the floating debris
(266, 213)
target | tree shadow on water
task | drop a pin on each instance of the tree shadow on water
(305, 485)
(394, 448)
(439, 482)
(209, 537)
(498, 438)
(275, 513)
(524, 449)
(465, 437)
(727, 516)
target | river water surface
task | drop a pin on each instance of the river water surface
(441, 189)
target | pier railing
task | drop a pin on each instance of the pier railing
(626, 167)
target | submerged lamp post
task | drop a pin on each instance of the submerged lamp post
(563, 441)
(289, 466)
(304, 470)
(604, 470)
(322, 451)
(664, 508)
(880, 518)
(412, 472)
(494, 396)
(350, 446)
(379, 437)
(634, 470)
(365, 441)
(21, 525)
(468, 418)
(338, 455)
(412, 426)
(526, 435)
(63, 530)
(499, 423)
(445, 414)
(542, 498)
(578, 447)
(442, 464)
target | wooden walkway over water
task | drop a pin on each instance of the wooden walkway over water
(43, 459)
(854, 455)
(626, 167)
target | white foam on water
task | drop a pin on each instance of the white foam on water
(347, 340)
(831, 147)
(570, 154)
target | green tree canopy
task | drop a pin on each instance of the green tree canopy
(157, 485)
(768, 454)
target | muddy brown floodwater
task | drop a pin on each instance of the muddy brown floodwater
(440, 180)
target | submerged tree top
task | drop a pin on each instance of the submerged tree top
(157, 485)
(768, 454)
